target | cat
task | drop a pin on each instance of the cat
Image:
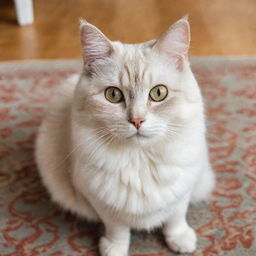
(124, 142)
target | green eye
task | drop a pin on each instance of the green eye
(158, 93)
(113, 95)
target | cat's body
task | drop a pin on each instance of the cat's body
(97, 164)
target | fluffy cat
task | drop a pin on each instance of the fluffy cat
(124, 143)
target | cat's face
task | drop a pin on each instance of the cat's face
(134, 92)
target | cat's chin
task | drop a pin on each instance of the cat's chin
(139, 138)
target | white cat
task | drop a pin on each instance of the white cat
(125, 143)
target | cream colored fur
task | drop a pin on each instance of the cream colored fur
(95, 163)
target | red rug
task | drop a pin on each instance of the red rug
(31, 225)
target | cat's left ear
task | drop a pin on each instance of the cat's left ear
(96, 46)
(175, 42)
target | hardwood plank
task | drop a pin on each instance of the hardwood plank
(220, 27)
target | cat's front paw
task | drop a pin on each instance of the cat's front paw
(184, 242)
(109, 248)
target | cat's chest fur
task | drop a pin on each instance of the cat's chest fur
(133, 182)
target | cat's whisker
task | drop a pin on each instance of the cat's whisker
(101, 138)
(172, 132)
(176, 125)
(74, 150)
(91, 155)
(107, 142)
(117, 129)
(102, 142)
(173, 128)
(110, 141)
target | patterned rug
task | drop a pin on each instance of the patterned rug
(30, 224)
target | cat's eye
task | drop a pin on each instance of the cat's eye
(158, 93)
(114, 95)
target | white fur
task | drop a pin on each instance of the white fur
(94, 164)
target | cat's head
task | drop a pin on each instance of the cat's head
(139, 93)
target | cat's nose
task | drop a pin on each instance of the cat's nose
(137, 122)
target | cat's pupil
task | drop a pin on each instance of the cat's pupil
(113, 94)
(158, 92)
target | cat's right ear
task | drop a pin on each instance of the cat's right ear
(96, 46)
(175, 42)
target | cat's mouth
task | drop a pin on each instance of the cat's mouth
(138, 135)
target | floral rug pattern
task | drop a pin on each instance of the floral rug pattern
(31, 225)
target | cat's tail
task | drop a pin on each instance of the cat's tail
(204, 188)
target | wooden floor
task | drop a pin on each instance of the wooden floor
(219, 27)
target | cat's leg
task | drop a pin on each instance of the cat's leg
(116, 240)
(179, 236)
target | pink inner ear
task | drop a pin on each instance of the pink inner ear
(95, 44)
(175, 42)
(179, 60)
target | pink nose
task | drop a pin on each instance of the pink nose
(137, 122)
